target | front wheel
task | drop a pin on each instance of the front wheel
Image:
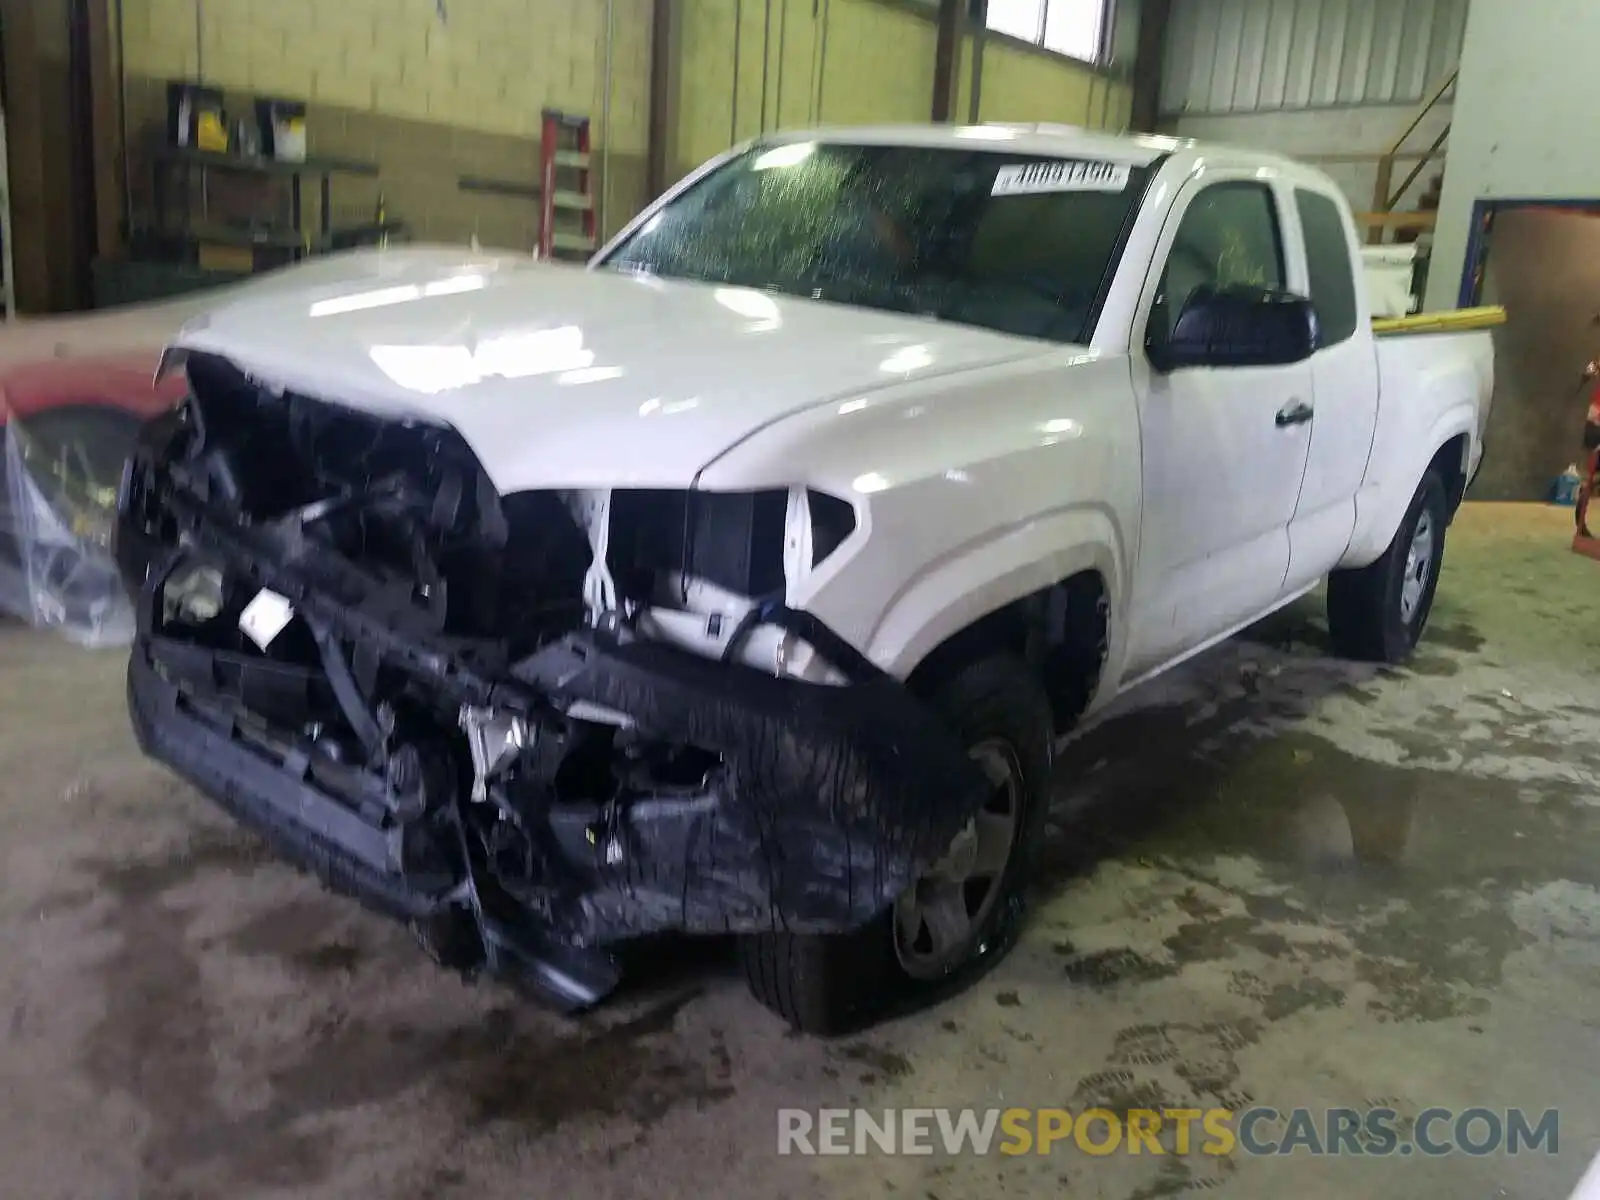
(961, 916)
(1378, 612)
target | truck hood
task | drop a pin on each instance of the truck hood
(560, 376)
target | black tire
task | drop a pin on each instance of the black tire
(1366, 619)
(832, 984)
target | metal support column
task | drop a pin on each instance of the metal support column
(978, 24)
(1148, 59)
(8, 295)
(946, 53)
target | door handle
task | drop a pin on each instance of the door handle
(1296, 412)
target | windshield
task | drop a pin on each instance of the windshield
(1016, 243)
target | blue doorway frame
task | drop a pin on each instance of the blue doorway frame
(1482, 229)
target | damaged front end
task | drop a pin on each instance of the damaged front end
(465, 709)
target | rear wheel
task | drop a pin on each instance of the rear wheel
(1378, 613)
(961, 916)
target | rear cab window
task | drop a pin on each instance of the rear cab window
(1329, 264)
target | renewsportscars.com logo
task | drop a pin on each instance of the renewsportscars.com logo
(1216, 1132)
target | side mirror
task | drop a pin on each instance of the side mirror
(1238, 327)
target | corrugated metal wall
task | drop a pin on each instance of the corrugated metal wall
(1243, 56)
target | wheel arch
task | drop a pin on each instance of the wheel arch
(1447, 447)
(1061, 631)
(1451, 463)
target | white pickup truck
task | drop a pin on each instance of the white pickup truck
(742, 580)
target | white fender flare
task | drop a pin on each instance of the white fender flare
(1382, 506)
(984, 576)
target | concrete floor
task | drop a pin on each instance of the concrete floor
(1274, 879)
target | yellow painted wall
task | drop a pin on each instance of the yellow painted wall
(490, 65)
(748, 66)
(1019, 85)
(1025, 85)
(752, 67)
(852, 62)
(879, 66)
(720, 52)
(493, 64)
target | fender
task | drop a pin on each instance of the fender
(1382, 505)
(985, 575)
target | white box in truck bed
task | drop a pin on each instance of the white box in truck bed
(1390, 273)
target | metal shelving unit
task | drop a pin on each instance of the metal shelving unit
(176, 226)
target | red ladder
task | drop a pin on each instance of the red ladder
(566, 194)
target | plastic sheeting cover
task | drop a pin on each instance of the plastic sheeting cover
(53, 575)
(73, 392)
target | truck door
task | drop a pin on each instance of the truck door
(1224, 449)
(1344, 386)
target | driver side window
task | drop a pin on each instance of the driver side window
(1228, 236)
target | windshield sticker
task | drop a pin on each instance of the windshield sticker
(1062, 175)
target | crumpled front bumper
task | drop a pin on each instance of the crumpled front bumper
(828, 801)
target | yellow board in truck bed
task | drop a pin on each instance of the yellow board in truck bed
(1457, 321)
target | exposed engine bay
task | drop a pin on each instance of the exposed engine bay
(530, 725)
